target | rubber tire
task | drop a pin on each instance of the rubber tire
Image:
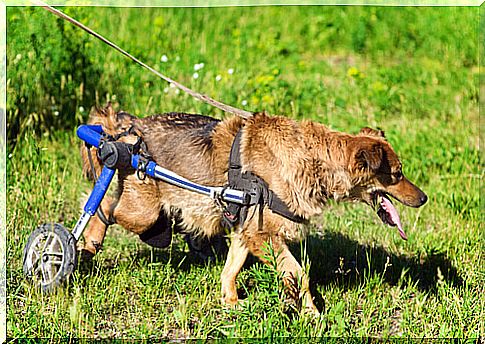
(70, 255)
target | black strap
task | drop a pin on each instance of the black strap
(256, 187)
(102, 217)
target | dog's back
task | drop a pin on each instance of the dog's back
(180, 142)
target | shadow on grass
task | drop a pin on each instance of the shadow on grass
(177, 256)
(335, 259)
(339, 260)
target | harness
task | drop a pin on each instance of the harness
(115, 154)
(253, 189)
(257, 189)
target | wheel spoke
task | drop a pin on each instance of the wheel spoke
(35, 260)
(45, 275)
(36, 266)
(55, 241)
(47, 241)
(37, 255)
(54, 254)
(55, 262)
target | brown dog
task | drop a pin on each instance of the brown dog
(304, 163)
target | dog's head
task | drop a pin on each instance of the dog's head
(376, 174)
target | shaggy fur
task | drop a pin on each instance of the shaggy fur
(304, 163)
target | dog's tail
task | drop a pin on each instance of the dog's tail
(112, 124)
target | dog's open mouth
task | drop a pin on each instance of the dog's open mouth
(387, 212)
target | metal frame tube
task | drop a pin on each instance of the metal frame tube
(80, 225)
(93, 134)
(94, 200)
(99, 190)
(155, 171)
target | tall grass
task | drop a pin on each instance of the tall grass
(411, 71)
(56, 72)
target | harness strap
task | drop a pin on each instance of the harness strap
(102, 217)
(257, 189)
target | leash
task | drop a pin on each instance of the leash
(201, 97)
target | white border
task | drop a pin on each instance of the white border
(141, 3)
(3, 170)
(227, 3)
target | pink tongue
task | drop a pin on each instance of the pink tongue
(389, 208)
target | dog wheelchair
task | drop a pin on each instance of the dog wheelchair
(50, 255)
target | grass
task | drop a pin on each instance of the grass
(411, 71)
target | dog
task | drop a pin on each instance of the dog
(304, 163)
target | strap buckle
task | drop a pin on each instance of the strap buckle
(141, 168)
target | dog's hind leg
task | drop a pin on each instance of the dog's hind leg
(139, 204)
(96, 230)
(236, 257)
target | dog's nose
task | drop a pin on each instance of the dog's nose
(423, 198)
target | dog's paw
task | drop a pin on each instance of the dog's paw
(229, 301)
(233, 304)
(311, 311)
(86, 255)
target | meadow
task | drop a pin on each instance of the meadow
(413, 72)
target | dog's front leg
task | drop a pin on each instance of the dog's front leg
(236, 257)
(296, 280)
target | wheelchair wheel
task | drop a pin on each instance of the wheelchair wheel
(50, 256)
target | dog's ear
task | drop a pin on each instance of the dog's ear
(107, 110)
(372, 132)
(368, 155)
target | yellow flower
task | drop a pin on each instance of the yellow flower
(378, 86)
(268, 99)
(264, 79)
(159, 21)
(353, 72)
(254, 100)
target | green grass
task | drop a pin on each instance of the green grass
(411, 71)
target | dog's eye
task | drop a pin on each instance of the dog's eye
(397, 175)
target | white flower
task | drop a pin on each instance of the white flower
(230, 70)
(81, 109)
(218, 77)
(198, 66)
(164, 58)
(244, 102)
(10, 156)
(56, 113)
(195, 76)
